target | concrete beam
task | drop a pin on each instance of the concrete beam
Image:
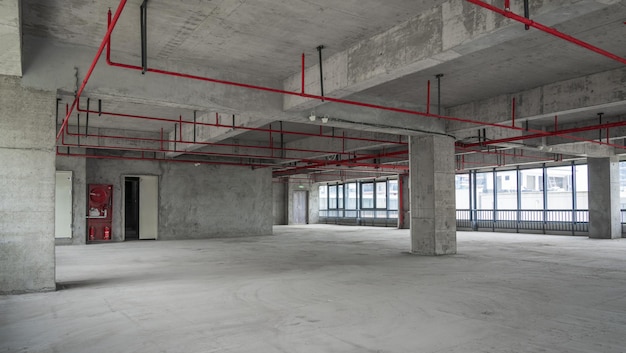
(442, 34)
(10, 38)
(591, 93)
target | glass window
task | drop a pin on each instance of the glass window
(461, 182)
(531, 181)
(351, 202)
(393, 194)
(484, 191)
(506, 188)
(559, 186)
(340, 196)
(323, 197)
(381, 194)
(367, 195)
(582, 187)
(332, 197)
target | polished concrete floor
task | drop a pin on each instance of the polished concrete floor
(328, 289)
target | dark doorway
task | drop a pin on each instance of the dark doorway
(131, 208)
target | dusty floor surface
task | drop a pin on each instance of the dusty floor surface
(328, 289)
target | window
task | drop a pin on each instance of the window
(582, 187)
(332, 197)
(367, 195)
(484, 191)
(531, 181)
(393, 194)
(461, 182)
(323, 197)
(559, 187)
(506, 190)
(381, 194)
(340, 196)
(351, 202)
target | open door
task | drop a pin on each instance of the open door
(63, 205)
(148, 207)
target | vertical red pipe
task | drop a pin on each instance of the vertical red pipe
(302, 73)
(507, 5)
(607, 135)
(428, 98)
(400, 203)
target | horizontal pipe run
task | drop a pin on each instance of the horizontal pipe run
(105, 42)
(217, 124)
(553, 133)
(548, 30)
(343, 101)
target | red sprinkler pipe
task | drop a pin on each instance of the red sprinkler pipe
(217, 124)
(548, 30)
(105, 41)
(328, 99)
(554, 133)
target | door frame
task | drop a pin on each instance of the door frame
(123, 183)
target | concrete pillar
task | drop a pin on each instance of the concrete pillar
(604, 198)
(433, 216)
(404, 220)
(27, 184)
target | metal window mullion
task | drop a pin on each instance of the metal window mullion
(519, 198)
(545, 195)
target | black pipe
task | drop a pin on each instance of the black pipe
(99, 107)
(87, 123)
(526, 13)
(143, 19)
(319, 51)
(282, 144)
(439, 76)
(194, 126)
(56, 116)
(600, 123)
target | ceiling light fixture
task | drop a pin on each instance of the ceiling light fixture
(325, 119)
(312, 116)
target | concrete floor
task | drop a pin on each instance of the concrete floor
(323, 288)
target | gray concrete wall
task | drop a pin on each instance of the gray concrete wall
(604, 198)
(27, 182)
(79, 197)
(194, 202)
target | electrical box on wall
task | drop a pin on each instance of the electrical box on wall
(99, 212)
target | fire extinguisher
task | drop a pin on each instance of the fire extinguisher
(92, 234)
(107, 233)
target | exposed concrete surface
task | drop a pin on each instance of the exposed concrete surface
(328, 289)
(604, 198)
(194, 202)
(432, 190)
(79, 197)
(26, 188)
(10, 38)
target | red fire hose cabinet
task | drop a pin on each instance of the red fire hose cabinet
(99, 212)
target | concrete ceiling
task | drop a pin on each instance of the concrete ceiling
(265, 38)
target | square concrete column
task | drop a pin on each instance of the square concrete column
(604, 198)
(433, 208)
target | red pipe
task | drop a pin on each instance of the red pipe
(507, 5)
(217, 124)
(331, 99)
(548, 30)
(555, 133)
(157, 159)
(105, 41)
(400, 203)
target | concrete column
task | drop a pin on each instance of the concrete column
(433, 217)
(604, 198)
(27, 184)
(404, 222)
